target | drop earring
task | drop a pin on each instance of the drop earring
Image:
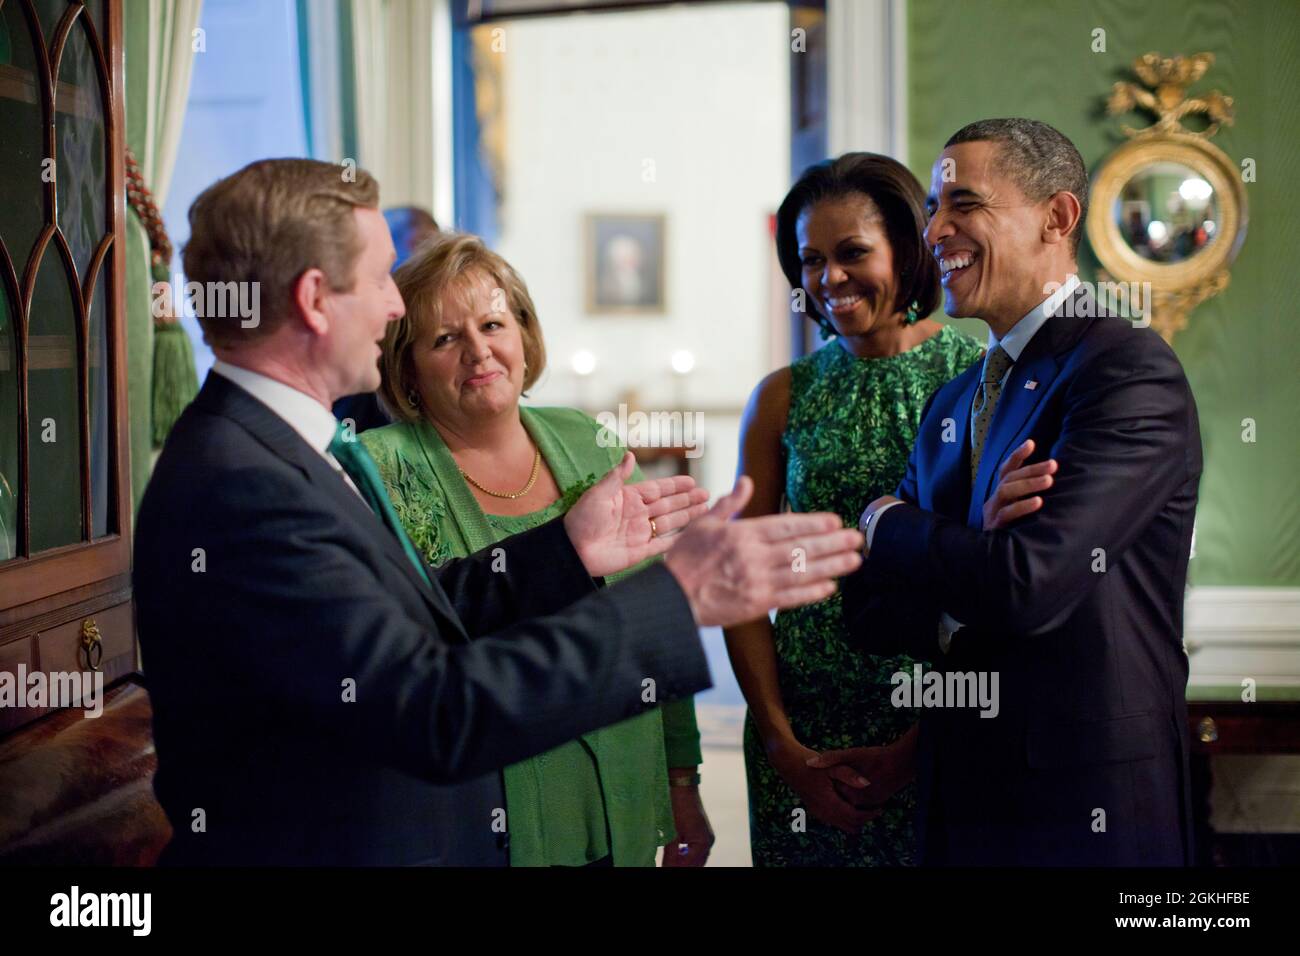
(913, 314)
(413, 398)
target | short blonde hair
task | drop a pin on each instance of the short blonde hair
(269, 223)
(444, 264)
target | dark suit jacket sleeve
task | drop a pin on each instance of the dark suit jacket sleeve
(884, 613)
(1124, 448)
(525, 575)
(313, 635)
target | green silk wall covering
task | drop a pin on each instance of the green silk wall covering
(986, 58)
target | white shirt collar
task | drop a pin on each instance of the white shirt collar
(305, 415)
(1014, 342)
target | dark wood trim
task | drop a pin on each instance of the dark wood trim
(52, 572)
(1264, 727)
(9, 278)
(10, 618)
(616, 6)
(67, 24)
(44, 84)
(115, 296)
(44, 614)
(61, 32)
(65, 612)
(83, 372)
(462, 19)
(91, 278)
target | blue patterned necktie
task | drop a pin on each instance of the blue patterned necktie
(360, 467)
(986, 400)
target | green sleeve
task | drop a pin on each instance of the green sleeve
(681, 731)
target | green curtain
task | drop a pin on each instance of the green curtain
(139, 324)
(159, 59)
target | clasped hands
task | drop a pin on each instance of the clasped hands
(731, 571)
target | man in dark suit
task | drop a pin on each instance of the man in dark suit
(321, 694)
(1072, 614)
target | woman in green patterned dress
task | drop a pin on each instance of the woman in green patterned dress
(832, 432)
(465, 466)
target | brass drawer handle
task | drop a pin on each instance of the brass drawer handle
(1207, 730)
(92, 644)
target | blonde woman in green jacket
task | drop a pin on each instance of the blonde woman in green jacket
(465, 466)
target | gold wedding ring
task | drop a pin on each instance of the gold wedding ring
(654, 532)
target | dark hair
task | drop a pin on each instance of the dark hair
(1038, 158)
(901, 201)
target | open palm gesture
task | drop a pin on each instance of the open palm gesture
(614, 526)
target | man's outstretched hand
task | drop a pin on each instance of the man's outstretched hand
(737, 571)
(610, 524)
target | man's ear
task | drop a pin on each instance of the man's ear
(1063, 212)
(309, 293)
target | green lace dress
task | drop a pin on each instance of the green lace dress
(847, 439)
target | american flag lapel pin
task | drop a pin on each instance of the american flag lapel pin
(1030, 385)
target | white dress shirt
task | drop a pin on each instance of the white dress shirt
(1013, 343)
(304, 414)
(1018, 336)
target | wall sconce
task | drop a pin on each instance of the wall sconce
(583, 364)
(683, 363)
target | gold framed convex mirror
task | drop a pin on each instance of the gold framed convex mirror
(1168, 209)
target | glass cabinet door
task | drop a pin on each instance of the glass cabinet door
(10, 486)
(57, 469)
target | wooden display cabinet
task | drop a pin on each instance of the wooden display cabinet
(65, 551)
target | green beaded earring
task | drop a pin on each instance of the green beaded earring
(913, 314)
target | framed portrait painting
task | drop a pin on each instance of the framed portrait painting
(625, 255)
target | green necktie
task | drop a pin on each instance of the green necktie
(360, 467)
(986, 401)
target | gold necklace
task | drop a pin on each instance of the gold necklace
(532, 480)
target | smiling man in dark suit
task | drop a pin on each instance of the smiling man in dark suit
(1076, 606)
(321, 694)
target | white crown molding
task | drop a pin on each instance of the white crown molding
(1236, 632)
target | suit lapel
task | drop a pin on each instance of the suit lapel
(952, 469)
(222, 397)
(1028, 382)
(1026, 385)
(373, 526)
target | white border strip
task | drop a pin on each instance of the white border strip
(1236, 632)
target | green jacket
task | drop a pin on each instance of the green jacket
(444, 521)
